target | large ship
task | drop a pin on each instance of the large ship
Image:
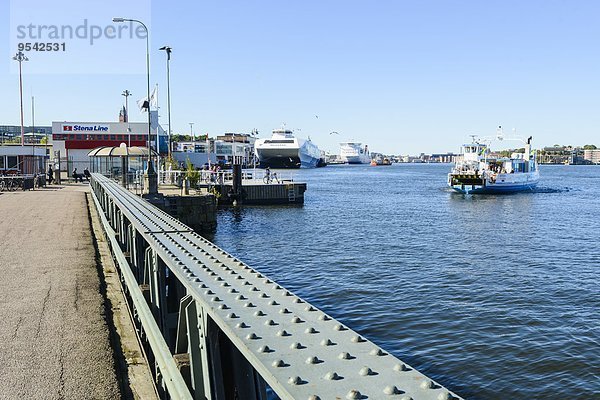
(284, 150)
(477, 170)
(354, 153)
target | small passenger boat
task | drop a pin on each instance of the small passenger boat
(478, 171)
(380, 160)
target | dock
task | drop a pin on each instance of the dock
(256, 192)
(254, 188)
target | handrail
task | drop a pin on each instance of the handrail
(272, 334)
(172, 377)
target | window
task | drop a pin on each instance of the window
(279, 141)
(12, 162)
(1, 162)
(112, 137)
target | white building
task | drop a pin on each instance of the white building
(74, 139)
(592, 156)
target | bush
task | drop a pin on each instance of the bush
(192, 175)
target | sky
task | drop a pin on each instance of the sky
(404, 77)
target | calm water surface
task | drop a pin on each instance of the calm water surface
(495, 297)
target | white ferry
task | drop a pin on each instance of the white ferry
(354, 153)
(284, 150)
(477, 171)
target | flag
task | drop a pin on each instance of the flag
(143, 103)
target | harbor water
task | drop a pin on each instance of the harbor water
(494, 296)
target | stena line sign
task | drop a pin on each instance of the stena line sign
(85, 128)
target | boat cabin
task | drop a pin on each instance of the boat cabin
(510, 165)
(471, 152)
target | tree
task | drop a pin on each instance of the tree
(589, 147)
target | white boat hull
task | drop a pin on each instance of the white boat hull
(354, 153)
(502, 183)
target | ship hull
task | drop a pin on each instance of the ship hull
(357, 160)
(288, 152)
(503, 185)
(286, 158)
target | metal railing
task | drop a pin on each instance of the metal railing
(215, 328)
(221, 177)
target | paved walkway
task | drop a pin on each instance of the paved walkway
(54, 341)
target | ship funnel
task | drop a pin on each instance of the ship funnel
(528, 148)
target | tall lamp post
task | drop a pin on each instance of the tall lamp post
(20, 57)
(152, 181)
(192, 135)
(168, 50)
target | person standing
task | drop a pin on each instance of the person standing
(86, 173)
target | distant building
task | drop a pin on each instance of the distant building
(12, 134)
(123, 117)
(592, 156)
(442, 158)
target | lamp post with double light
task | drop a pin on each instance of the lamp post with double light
(152, 179)
(20, 57)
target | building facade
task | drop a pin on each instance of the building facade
(72, 140)
(11, 134)
(592, 156)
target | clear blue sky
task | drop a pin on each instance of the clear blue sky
(403, 76)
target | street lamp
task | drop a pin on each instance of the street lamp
(152, 181)
(168, 50)
(20, 57)
(192, 134)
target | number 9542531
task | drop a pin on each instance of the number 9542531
(37, 46)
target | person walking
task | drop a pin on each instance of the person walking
(50, 175)
(77, 176)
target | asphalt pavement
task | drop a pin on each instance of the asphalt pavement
(54, 341)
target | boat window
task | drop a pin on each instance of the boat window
(279, 141)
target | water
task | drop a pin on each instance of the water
(495, 297)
